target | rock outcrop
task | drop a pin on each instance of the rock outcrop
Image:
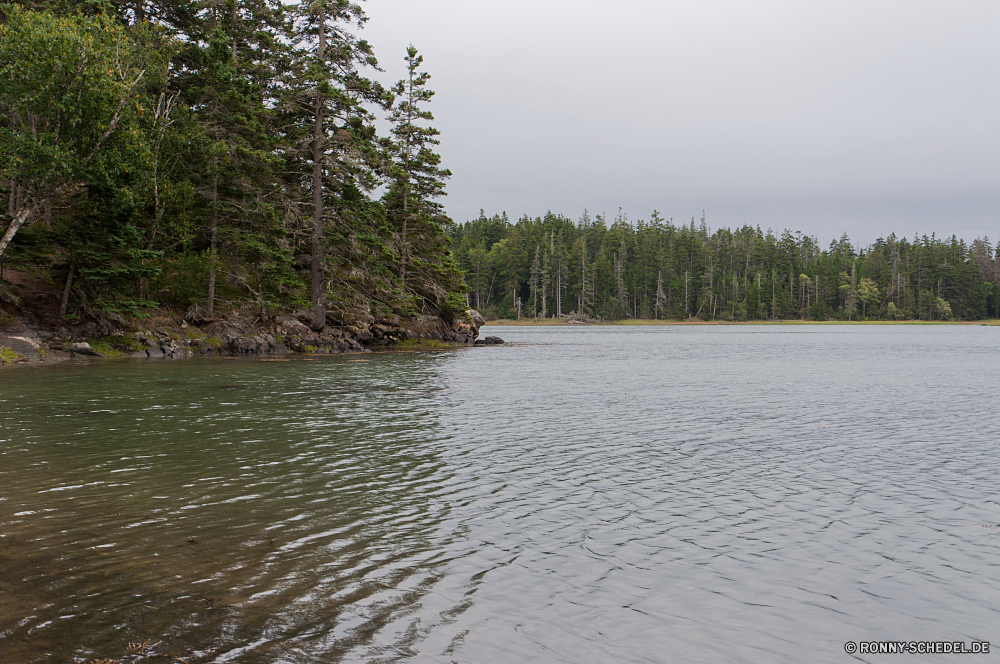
(245, 340)
(344, 333)
(23, 346)
(432, 327)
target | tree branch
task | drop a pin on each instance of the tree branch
(115, 118)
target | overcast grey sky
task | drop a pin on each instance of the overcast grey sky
(860, 116)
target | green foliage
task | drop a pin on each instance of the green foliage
(162, 154)
(71, 113)
(71, 92)
(182, 279)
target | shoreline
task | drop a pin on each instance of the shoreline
(284, 335)
(552, 322)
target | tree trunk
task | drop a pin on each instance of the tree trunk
(559, 292)
(402, 238)
(212, 261)
(64, 303)
(406, 168)
(260, 294)
(19, 218)
(316, 293)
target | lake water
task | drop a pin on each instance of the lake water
(598, 494)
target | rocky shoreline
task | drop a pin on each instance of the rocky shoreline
(24, 341)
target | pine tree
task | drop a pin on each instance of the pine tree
(225, 78)
(621, 292)
(325, 87)
(416, 177)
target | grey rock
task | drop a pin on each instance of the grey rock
(139, 354)
(292, 325)
(359, 333)
(255, 345)
(477, 318)
(22, 345)
(83, 348)
(155, 352)
(351, 346)
(111, 327)
(247, 345)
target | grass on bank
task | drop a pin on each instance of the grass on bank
(8, 355)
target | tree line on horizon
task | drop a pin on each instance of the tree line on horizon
(215, 153)
(553, 266)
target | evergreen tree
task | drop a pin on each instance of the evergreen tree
(325, 86)
(222, 80)
(416, 176)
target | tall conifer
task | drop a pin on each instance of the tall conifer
(416, 176)
(325, 87)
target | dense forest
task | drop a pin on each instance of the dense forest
(214, 154)
(222, 155)
(556, 267)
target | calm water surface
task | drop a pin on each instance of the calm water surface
(698, 494)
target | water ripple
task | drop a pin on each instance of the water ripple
(747, 494)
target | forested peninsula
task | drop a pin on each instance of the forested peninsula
(555, 267)
(178, 164)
